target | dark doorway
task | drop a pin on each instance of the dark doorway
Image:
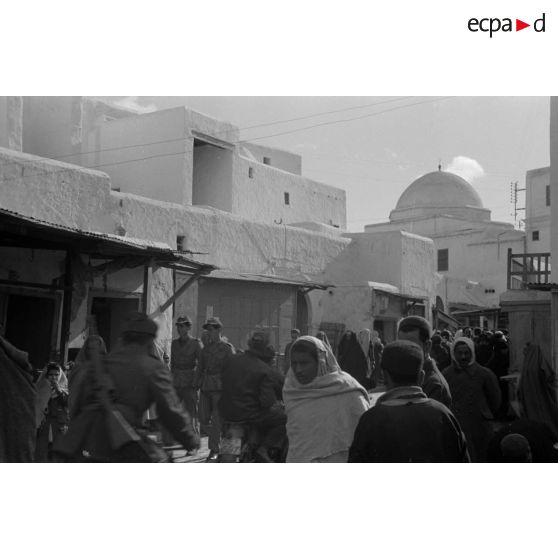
(29, 323)
(111, 314)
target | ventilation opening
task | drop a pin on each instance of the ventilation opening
(267, 161)
(287, 198)
(250, 172)
(180, 243)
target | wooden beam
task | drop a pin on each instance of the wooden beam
(147, 287)
(176, 295)
(67, 307)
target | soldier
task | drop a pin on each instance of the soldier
(214, 359)
(185, 357)
(135, 379)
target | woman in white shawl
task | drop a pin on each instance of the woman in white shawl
(323, 405)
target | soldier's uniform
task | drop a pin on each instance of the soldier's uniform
(185, 356)
(136, 379)
(214, 359)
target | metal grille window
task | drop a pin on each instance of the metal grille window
(535, 235)
(443, 257)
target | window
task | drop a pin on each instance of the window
(287, 198)
(443, 257)
(535, 235)
(267, 161)
(548, 195)
(250, 172)
(180, 243)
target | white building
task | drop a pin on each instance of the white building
(165, 199)
(537, 210)
(471, 250)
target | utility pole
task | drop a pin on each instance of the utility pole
(513, 199)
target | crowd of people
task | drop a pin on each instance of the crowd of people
(429, 396)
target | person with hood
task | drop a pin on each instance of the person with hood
(352, 358)
(323, 404)
(475, 396)
(249, 395)
(18, 430)
(405, 425)
(537, 388)
(51, 409)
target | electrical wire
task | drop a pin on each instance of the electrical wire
(347, 119)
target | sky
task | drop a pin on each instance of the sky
(374, 147)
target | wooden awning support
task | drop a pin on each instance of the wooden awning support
(176, 295)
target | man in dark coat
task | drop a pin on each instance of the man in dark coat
(476, 396)
(17, 405)
(405, 425)
(137, 379)
(249, 395)
(419, 331)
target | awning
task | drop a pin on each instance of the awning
(273, 279)
(21, 231)
(477, 311)
(446, 318)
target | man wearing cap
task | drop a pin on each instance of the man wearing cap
(185, 357)
(419, 331)
(295, 334)
(214, 359)
(137, 379)
(249, 396)
(405, 425)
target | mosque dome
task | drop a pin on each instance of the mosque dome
(439, 189)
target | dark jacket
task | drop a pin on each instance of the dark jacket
(476, 398)
(248, 388)
(213, 360)
(185, 356)
(406, 426)
(139, 380)
(435, 386)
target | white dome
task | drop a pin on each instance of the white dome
(439, 189)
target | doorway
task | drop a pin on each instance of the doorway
(29, 326)
(111, 314)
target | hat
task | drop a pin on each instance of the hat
(214, 321)
(140, 323)
(415, 322)
(295, 330)
(436, 339)
(402, 357)
(183, 320)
